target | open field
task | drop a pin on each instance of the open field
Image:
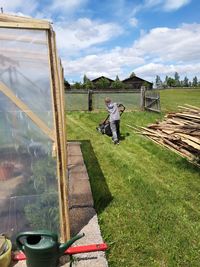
(147, 198)
(171, 98)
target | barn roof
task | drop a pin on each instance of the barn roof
(95, 80)
(135, 78)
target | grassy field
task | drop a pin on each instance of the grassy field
(147, 198)
(171, 98)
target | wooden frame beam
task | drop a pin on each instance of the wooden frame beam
(21, 105)
(60, 137)
(25, 25)
(10, 21)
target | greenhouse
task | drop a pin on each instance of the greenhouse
(32, 136)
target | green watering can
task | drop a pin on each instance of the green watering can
(42, 248)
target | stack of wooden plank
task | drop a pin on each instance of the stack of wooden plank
(179, 132)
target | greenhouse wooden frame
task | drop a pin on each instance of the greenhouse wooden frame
(57, 91)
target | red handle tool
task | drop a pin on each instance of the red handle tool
(19, 256)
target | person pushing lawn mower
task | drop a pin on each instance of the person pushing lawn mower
(111, 125)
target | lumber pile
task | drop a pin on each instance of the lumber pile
(179, 132)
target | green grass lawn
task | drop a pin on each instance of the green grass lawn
(171, 98)
(147, 198)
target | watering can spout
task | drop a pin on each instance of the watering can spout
(65, 246)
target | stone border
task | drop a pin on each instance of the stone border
(83, 216)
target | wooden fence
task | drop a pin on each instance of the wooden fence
(94, 100)
(83, 100)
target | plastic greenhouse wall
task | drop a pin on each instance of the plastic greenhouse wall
(28, 180)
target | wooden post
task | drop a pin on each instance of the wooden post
(61, 138)
(142, 103)
(90, 100)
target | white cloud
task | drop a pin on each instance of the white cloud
(109, 64)
(170, 5)
(84, 33)
(133, 22)
(35, 8)
(166, 44)
(152, 3)
(161, 51)
(67, 6)
(152, 69)
(15, 6)
(165, 5)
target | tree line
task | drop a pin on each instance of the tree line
(176, 81)
(100, 84)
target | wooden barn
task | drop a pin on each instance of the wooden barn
(102, 77)
(135, 83)
(131, 83)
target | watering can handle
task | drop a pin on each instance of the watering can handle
(34, 233)
(65, 246)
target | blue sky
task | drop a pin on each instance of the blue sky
(117, 37)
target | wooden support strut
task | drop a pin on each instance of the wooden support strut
(152, 102)
(20, 104)
(25, 25)
(61, 140)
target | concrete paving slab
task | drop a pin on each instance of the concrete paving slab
(75, 160)
(79, 217)
(78, 175)
(80, 194)
(95, 262)
(73, 144)
(74, 150)
(77, 169)
(92, 236)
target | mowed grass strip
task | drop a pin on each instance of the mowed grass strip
(147, 197)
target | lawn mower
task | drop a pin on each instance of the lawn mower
(104, 126)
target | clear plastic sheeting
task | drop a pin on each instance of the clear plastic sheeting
(30, 212)
(24, 68)
(28, 180)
